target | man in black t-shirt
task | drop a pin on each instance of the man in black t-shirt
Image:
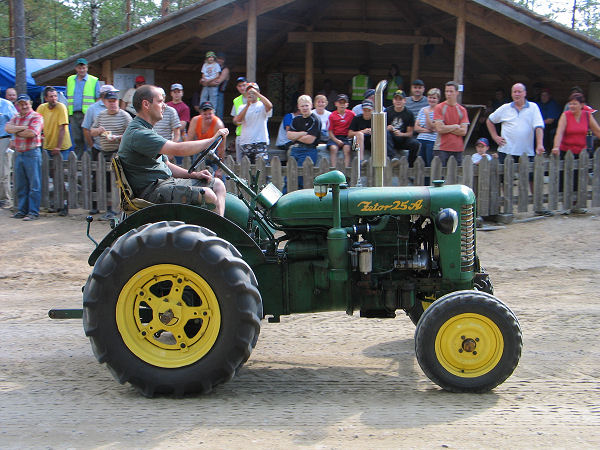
(400, 126)
(361, 128)
(304, 133)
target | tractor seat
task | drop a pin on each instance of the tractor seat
(129, 203)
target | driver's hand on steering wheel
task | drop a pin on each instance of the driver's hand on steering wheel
(203, 174)
(222, 132)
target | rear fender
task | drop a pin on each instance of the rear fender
(224, 228)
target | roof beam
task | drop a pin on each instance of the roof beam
(521, 32)
(239, 15)
(350, 36)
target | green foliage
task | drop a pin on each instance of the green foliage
(581, 15)
(57, 29)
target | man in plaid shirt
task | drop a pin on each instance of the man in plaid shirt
(27, 130)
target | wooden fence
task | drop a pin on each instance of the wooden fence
(533, 186)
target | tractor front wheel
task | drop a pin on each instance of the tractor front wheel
(172, 309)
(468, 341)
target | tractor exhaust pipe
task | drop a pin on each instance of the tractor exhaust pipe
(379, 123)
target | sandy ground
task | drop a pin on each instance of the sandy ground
(316, 380)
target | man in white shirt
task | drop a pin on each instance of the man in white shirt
(520, 120)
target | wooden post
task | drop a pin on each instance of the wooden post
(251, 42)
(459, 46)
(416, 53)
(309, 62)
(107, 74)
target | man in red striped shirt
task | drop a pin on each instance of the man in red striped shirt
(27, 130)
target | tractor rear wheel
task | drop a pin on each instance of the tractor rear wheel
(468, 341)
(172, 309)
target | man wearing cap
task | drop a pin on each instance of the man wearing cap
(450, 121)
(127, 98)
(361, 128)
(482, 146)
(400, 127)
(205, 126)
(369, 95)
(88, 121)
(27, 129)
(183, 110)
(144, 155)
(7, 112)
(210, 71)
(109, 126)
(417, 100)
(82, 91)
(339, 124)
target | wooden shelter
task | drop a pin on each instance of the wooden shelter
(484, 44)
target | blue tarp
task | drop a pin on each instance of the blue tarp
(7, 74)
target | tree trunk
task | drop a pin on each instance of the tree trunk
(20, 50)
(94, 25)
(11, 26)
(127, 15)
(164, 7)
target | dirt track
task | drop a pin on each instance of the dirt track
(322, 380)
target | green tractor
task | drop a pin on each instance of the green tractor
(177, 293)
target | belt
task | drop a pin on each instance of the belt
(5, 137)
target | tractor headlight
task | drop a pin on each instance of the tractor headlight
(320, 190)
(447, 221)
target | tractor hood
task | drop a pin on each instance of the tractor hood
(304, 208)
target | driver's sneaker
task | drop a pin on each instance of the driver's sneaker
(110, 214)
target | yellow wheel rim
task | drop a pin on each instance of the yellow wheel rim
(168, 316)
(469, 345)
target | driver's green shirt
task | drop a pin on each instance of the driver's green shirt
(140, 155)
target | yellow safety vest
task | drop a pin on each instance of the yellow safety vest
(237, 102)
(391, 88)
(360, 84)
(89, 93)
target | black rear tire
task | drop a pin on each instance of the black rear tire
(468, 341)
(172, 309)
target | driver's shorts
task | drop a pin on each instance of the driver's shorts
(177, 190)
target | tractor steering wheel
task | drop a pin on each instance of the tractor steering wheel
(204, 154)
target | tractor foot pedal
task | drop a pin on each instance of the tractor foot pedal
(377, 314)
(65, 313)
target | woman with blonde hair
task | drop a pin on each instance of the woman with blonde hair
(424, 125)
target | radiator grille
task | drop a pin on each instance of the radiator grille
(467, 238)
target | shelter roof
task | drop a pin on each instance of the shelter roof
(504, 41)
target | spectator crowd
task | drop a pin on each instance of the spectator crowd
(96, 116)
